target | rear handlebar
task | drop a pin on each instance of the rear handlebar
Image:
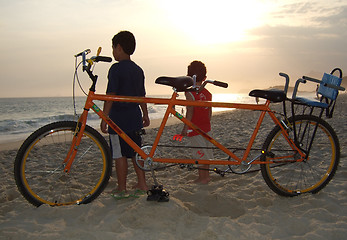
(214, 82)
(220, 84)
(287, 81)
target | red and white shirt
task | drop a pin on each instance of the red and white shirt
(201, 115)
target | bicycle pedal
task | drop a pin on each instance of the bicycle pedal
(220, 172)
(190, 167)
(269, 154)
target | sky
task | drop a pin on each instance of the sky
(244, 43)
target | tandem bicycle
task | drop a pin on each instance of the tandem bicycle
(69, 162)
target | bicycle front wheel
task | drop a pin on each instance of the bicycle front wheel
(288, 177)
(39, 168)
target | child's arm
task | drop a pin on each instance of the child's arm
(145, 117)
(189, 114)
(210, 113)
(107, 109)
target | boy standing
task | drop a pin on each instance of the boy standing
(125, 78)
(201, 117)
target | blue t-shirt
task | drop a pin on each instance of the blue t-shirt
(126, 78)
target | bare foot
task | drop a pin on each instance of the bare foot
(117, 190)
(143, 187)
(202, 181)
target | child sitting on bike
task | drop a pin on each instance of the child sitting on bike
(125, 78)
(201, 117)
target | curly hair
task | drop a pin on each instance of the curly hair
(199, 69)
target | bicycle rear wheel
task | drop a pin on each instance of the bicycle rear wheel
(311, 175)
(39, 169)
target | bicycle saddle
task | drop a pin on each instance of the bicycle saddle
(179, 83)
(272, 95)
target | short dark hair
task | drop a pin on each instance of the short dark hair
(126, 40)
(197, 68)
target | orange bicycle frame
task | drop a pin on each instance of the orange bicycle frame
(264, 108)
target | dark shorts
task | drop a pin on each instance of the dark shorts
(119, 148)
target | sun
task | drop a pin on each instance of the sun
(214, 22)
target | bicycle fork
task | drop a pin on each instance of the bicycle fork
(76, 140)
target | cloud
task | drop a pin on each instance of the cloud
(336, 21)
(318, 42)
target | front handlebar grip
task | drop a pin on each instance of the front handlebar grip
(102, 59)
(220, 84)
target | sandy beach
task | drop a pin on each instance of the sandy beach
(230, 207)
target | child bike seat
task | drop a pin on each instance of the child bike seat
(272, 95)
(179, 83)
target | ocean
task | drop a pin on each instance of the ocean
(22, 116)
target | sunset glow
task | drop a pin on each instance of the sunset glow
(214, 22)
(245, 43)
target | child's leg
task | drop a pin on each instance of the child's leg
(204, 175)
(122, 172)
(120, 161)
(202, 153)
(141, 177)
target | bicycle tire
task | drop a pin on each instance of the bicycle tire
(39, 169)
(311, 175)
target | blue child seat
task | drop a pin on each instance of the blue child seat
(324, 90)
(312, 103)
(328, 94)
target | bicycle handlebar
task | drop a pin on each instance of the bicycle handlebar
(214, 82)
(220, 84)
(287, 81)
(84, 52)
(87, 63)
(101, 59)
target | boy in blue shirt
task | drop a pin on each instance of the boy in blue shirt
(125, 78)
